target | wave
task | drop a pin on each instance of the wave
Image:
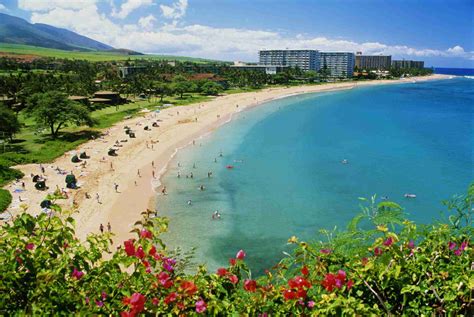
(469, 77)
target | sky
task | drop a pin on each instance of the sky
(439, 32)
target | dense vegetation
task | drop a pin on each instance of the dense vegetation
(381, 265)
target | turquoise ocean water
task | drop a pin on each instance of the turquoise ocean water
(288, 178)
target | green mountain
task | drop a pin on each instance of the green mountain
(15, 30)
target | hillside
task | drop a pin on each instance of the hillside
(15, 30)
(30, 52)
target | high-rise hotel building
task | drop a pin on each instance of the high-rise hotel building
(340, 64)
(378, 62)
(408, 64)
(303, 59)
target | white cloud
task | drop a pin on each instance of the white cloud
(3, 8)
(129, 6)
(176, 11)
(46, 5)
(147, 22)
(205, 41)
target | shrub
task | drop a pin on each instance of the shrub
(5, 199)
(394, 267)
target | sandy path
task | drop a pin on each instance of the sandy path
(123, 208)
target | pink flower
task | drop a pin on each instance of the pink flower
(463, 246)
(99, 303)
(103, 295)
(30, 246)
(136, 302)
(87, 300)
(325, 251)
(240, 255)
(411, 244)
(311, 304)
(155, 301)
(232, 261)
(388, 242)
(458, 252)
(233, 279)
(77, 274)
(146, 234)
(200, 306)
(451, 245)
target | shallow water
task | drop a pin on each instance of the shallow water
(288, 178)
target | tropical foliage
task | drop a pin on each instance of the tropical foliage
(381, 265)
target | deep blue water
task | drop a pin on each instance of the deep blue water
(454, 71)
(288, 177)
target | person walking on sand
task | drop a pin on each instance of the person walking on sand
(116, 187)
(101, 228)
(97, 197)
(138, 173)
(153, 174)
(109, 227)
(111, 166)
(153, 164)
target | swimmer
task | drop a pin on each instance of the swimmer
(190, 202)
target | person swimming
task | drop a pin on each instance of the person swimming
(190, 202)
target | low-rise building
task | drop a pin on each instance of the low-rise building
(267, 69)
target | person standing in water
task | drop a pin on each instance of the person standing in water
(163, 190)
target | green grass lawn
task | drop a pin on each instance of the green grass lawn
(96, 56)
(35, 145)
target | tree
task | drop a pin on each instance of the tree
(163, 90)
(53, 110)
(211, 88)
(9, 124)
(181, 87)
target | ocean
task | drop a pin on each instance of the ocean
(287, 177)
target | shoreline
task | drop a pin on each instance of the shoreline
(179, 126)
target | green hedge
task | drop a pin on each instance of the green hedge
(5, 199)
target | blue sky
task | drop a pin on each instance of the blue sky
(438, 32)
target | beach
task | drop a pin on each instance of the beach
(142, 160)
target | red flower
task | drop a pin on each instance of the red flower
(77, 274)
(188, 287)
(152, 251)
(129, 247)
(240, 255)
(378, 251)
(335, 280)
(250, 285)
(232, 261)
(171, 298)
(103, 295)
(349, 284)
(155, 301)
(140, 253)
(165, 280)
(222, 271)
(146, 234)
(289, 294)
(388, 242)
(200, 306)
(304, 270)
(30, 246)
(136, 303)
(364, 261)
(298, 282)
(451, 245)
(233, 279)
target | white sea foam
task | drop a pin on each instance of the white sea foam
(469, 77)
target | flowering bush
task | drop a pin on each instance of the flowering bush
(392, 267)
